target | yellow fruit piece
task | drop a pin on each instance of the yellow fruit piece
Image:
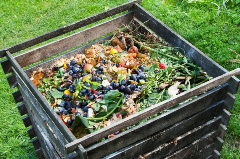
(67, 92)
(113, 51)
(65, 65)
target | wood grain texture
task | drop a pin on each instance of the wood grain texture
(12, 81)
(209, 65)
(191, 127)
(73, 40)
(17, 96)
(31, 132)
(70, 27)
(229, 101)
(169, 148)
(22, 109)
(26, 121)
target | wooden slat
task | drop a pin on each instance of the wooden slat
(216, 154)
(31, 132)
(36, 143)
(73, 40)
(39, 153)
(169, 148)
(93, 137)
(229, 101)
(12, 81)
(43, 119)
(176, 40)
(226, 117)
(22, 109)
(223, 130)
(191, 151)
(47, 148)
(70, 27)
(158, 138)
(42, 101)
(218, 142)
(17, 96)
(209, 157)
(79, 50)
(6, 66)
(26, 121)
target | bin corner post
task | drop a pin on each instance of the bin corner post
(78, 152)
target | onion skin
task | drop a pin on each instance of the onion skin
(133, 49)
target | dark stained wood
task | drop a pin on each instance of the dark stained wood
(79, 50)
(229, 101)
(169, 148)
(42, 101)
(70, 27)
(216, 154)
(31, 132)
(93, 137)
(226, 117)
(218, 142)
(17, 96)
(223, 130)
(73, 40)
(176, 40)
(12, 81)
(193, 151)
(39, 153)
(36, 143)
(209, 157)
(22, 109)
(173, 131)
(6, 66)
(48, 127)
(26, 121)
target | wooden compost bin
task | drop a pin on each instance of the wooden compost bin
(193, 130)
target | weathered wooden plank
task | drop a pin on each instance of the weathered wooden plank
(223, 130)
(36, 143)
(31, 132)
(209, 157)
(6, 66)
(216, 154)
(187, 124)
(73, 40)
(190, 152)
(91, 138)
(26, 121)
(218, 142)
(39, 153)
(48, 127)
(70, 27)
(226, 117)
(17, 96)
(12, 81)
(22, 108)
(42, 101)
(229, 101)
(79, 50)
(176, 40)
(169, 148)
(47, 148)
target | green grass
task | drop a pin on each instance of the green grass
(212, 29)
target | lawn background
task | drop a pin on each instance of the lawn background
(212, 26)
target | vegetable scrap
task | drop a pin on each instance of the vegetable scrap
(115, 79)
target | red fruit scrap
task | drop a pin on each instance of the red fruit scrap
(112, 135)
(161, 65)
(118, 115)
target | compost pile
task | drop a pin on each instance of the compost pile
(115, 79)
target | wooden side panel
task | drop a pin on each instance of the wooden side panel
(70, 27)
(39, 153)
(17, 96)
(73, 40)
(12, 81)
(31, 132)
(229, 101)
(26, 121)
(22, 109)
(176, 40)
(36, 143)
(172, 133)
(79, 50)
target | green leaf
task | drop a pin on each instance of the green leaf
(96, 106)
(55, 93)
(79, 120)
(99, 115)
(95, 85)
(111, 94)
(151, 68)
(60, 72)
